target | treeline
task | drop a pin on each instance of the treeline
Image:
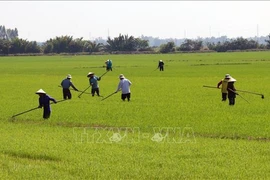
(66, 44)
(229, 45)
(122, 43)
(11, 44)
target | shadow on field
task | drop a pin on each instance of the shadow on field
(219, 64)
(27, 121)
(233, 137)
(256, 60)
(31, 156)
(83, 67)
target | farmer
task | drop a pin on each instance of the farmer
(124, 85)
(93, 80)
(231, 91)
(224, 84)
(108, 65)
(44, 101)
(161, 65)
(66, 83)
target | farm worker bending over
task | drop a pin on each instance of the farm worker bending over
(161, 65)
(231, 91)
(66, 83)
(124, 85)
(108, 65)
(93, 80)
(224, 84)
(44, 101)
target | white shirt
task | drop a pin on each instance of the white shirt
(124, 85)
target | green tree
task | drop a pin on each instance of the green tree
(166, 48)
(190, 45)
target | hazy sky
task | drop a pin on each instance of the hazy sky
(42, 20)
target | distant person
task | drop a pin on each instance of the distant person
(224, 84)
(108, 65)
(124, 85)
(231, 91)
(93, 80)
(161, 65)
(66, 83)
(44, 101)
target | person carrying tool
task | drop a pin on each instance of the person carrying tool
(161, 65)
(44, 101)
(93, 80)
(66, 83)
(231, 91)
(224, 84)
(124, 85)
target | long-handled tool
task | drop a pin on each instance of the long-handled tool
(77, 91)
(103, 74)
(210, 87)
(238, 94)
(33, 109)
(83, 91)
(108, 96)
(239, 91)
(252, 93)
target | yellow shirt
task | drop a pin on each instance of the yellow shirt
(224, 85)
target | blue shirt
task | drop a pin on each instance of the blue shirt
(44, 101)
(66, 83)
(94, 82)
(109, 64)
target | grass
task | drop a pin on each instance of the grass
(206, 138)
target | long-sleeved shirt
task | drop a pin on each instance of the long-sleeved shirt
(66, 83)
(160, 64)
(224, 84)
(94, 82)
(231, 89)
(109, 64)
(44, 101)
(124, 85)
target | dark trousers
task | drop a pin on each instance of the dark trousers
(231, 101)
(161, 68)
(109, 68)
(46, 112)
(124, 96)
(231, 97)
(66, 94)
(95, 90)
(224, 96)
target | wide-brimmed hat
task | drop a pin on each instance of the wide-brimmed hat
(227, 76)
(90, 73)
(232, 79)
(69, 76)
(40, 92)
(121, 76)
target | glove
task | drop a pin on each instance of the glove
(55, 102)
(99, 78)
(76, 90)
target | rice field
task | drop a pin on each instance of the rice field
(173, 127)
